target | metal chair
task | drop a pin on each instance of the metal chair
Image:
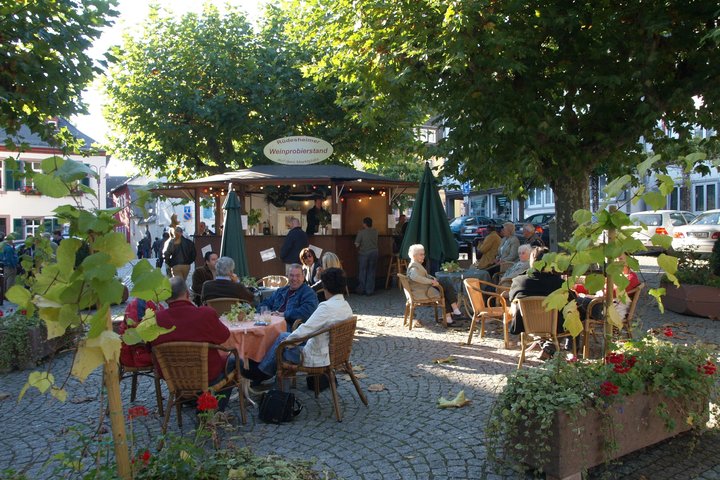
(540, 324)
(438, 303)
(495, 308)
(184, 367)
(340, 339)
(590, 322)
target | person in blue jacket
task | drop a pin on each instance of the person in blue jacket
(295, 301)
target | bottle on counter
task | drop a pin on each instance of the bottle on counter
(266, 228)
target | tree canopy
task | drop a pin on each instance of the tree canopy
(44, 63)
(550, 89)
(204, 93)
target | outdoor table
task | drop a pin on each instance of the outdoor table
(457, 280)
(253, 341)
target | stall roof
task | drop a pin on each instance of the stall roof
(261, 175)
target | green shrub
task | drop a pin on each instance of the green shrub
(14, 345)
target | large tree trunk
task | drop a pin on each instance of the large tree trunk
(571, 193)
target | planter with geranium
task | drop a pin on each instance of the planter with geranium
(569, 415)
(699, 290)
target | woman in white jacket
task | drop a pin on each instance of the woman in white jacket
(316, 352)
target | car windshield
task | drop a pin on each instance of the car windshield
(457, 221)
(707, 218)
(649, 219)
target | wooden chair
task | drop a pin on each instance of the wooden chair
(184, 367)
(438, 303)
(540, 324)
(495, 308)
(397, 265)
(340, 340)
(274, 281)
(224, 304)
(591, 323)
(133, 373)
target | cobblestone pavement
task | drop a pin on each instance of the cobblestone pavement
(401, 435)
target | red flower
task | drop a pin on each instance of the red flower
(207, 401)
(625, 365)
(708, 369)
(138, 411)
(667, 331)
(1, 313)
(608, 388)
(146, 457)
(615, 358)
(23, 312)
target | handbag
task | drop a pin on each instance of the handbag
(277, 406)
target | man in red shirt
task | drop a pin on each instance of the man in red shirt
(195, 324)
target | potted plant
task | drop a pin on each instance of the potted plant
(570, 415)
(253, 219)
(451, 266)
(699, 290)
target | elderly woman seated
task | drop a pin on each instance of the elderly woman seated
(422, 284)
(518, 268)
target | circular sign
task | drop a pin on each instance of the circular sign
(298, 150)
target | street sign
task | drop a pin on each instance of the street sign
(465, 188)
(187, 213)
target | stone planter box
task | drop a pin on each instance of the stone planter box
(578, 444)
(697, 300)
(39, 347)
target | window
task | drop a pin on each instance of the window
(535, 198)
(35, 167)
(673, 200)
(705, 197)
(549, 196)
(32, 225)
(479, 205)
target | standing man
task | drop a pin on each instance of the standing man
(157, 247)
(313, 218)
(179, 254)
(294, 242)
(9, 260)
(367, 243)
(202, 275)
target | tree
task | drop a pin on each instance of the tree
(204, 94)
(553, 89)
(44, 65)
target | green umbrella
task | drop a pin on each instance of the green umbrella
(233, 239)
(429, 225)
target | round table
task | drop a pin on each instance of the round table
(253, 341)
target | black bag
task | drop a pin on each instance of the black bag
(277, 406)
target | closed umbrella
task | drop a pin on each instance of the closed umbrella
(429, 225)
(233, 239)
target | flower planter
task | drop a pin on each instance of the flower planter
(633, 423)
(697, 300)
(39, 347)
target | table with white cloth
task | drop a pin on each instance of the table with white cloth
(253, 341)
(456, 278)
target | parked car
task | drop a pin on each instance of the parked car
(660, 222)
(458, 224)
(542, 226)
(472, 235)
(700, 235)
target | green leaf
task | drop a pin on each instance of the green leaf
(666, 184)
(115, 245)
(556, 300)
(654, 200)
(150, 284)
(50, 185)
(72, 171)
(98, 322)
(66, 254)
(658, 293)
(148, 329)
(582, 216)
(646, 164)
(40, 380)
(98, 267)
(614, 188)
(594, 283)
(51, 164)
(669, 264)
(664, 241)
(19, 295)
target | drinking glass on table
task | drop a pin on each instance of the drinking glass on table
(264, 313)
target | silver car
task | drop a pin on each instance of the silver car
(660, 222)
(700, 235)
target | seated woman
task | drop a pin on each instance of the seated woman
(329, 260)
(310, 265)
(518, 268)
(315, 353)
(422, 284)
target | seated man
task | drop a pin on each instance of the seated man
(202, 275)
(196, 324)
(295, 301)
(316, 352)
(225, 285)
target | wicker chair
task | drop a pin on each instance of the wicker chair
(224, 304)
(437, 303)
(591, 323)
(340, 340)
(184, 367)
(133, 373)
(495, 308)
(274, 281)
(539, 324)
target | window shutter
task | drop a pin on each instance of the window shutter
(18, 228)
